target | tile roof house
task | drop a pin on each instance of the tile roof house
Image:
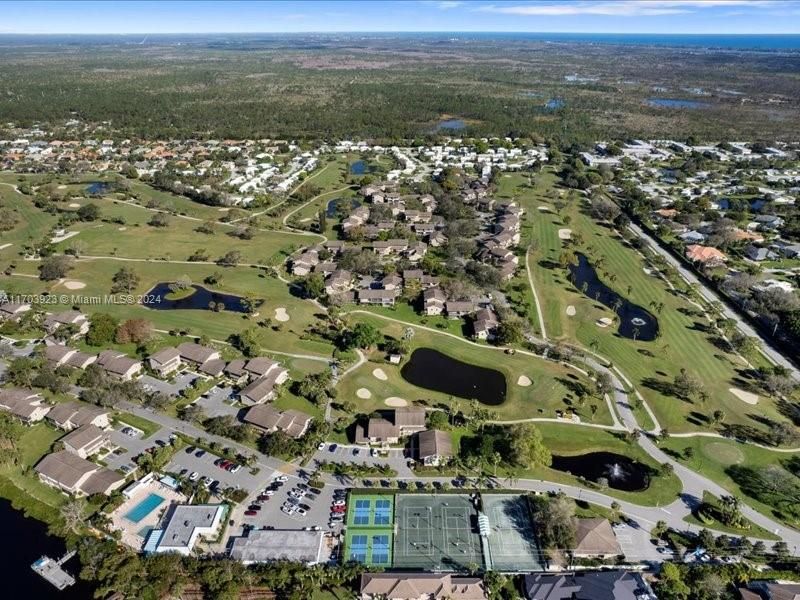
(262, 389)
(165, 361)
(86, 440)
(26, 405)
(75, 475)
(433, 301)
(595, 538)
(292, 422)
(404, 422)
(70, 415)
(338, 281)
(587, 585)
(421, 586)
(705, 255)
(197, 354)
(434, 447)
(118, 364)
(485, 324)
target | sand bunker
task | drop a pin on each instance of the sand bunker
(223, 209)
(363, 393)
(571, 311)
(62, 187)
(524, 381)
(565, 234)
(122, 228)
(396, 402)
(380, 374)
(746, 397)
(74, 285)
(544, 209)
(73, 205)
(281, 314)
(604, 322)
(4, 246)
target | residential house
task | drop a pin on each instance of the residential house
(339, 281)
(404, 422)
(769, 222)
(86, 440)
(421, 586)
(705, 255)
(457, 309)
(213, 367)
(485, 324)
(185, 524)
(13, 311)
(26, 405)
(261, 366)
(71, 415)
(595, 538)
(434, 447)
(379, 297)
(692, 237)
(758, 254)
(303, 264)
(394, 246)
(75, 475)
(197, 354)
(118, 364)
(770, 590)
(166, 361)
(263, 389)
(587, 585)
(268, 418)
(433, 301)
(70, 318)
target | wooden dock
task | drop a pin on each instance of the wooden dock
(51, 570)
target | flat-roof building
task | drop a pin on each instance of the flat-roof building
(269, 545)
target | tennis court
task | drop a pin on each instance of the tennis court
(436, 532)
(370, 511)
(368, 539)
(512, 542)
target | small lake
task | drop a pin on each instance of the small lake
(199, 300)
(432, 370)
(27, 540)
(451, 124)
(332, 206)
(360, 167)
(633, 319)
(621, 472)
(98, 188)
(677, 103)
(554, 103)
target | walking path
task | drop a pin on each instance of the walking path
(535, 295)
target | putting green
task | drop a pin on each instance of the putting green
(723, 454)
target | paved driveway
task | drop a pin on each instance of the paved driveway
(345, 453)
(132, 446)
(636, 545)
(171, 388)
(214, 402)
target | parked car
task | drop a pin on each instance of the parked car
(250, 513)
(254, 507)
(332, 447)
(190, 449)
(236, 468)
(339, 502)
(315, 491)
(356, 451)
(262, 498)
(194, 476)
(302, 512)
(129, 431)
(200, 453)
(268, 492)
(282, 478)
(321, 446)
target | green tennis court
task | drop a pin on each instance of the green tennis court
(436, 532)
(512, 544)
(369, 536)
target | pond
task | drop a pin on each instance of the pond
(554, 103)
(98, 188)
(634, 321)
(451, 124)
(360, 167)
(331, 208)
(432, 370)
(677, 103)
(621, 472)
(157, 298)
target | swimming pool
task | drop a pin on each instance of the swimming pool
(144, 508)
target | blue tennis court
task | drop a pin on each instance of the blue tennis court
(358, 548)
(361, 512)
(383, 512)
(380, 549)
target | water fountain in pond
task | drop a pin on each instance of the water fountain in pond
(616, 472)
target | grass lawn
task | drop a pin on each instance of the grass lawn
(20, 484)
(32, 224)
(550, 390)
(685, 340)
(711, 457)
(148, 427)
(750, 528)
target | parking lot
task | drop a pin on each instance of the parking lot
(347, 454)
(637, 546)
(171, 388)
(131, 446)
(215, 402)
(318, 509)
(204, 465)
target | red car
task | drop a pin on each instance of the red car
(338, 509)
(250, 513)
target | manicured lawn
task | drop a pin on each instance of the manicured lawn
(549, 391)
(712, 457)
(750, 528)
(685, 340)
(148, 427)
(31, 227)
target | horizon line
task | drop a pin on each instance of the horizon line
(399, 31)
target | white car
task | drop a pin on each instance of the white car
(339, 503)
(282, 478)
(236, 469)
(194, 476)
(269, 492)
(321, 446)
(289, 511)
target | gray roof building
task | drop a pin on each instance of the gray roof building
(268, 545)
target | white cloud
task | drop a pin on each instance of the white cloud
(617, 8)
(448, 4)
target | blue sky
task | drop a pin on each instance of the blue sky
(616, 16)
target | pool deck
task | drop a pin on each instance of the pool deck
(130, 530)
